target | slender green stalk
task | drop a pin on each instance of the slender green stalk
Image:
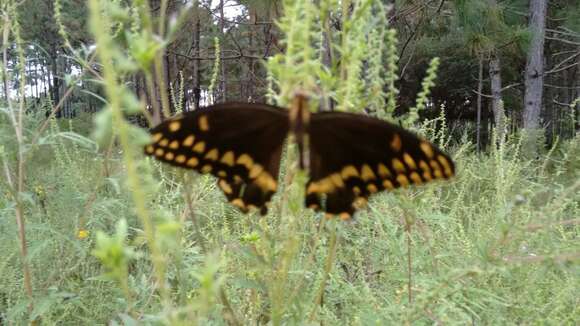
(216, 68)
(188, 185)
(98, 23)
(17, 186)
(330, 258)
(408, 225)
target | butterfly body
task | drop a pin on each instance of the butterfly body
(349, 156)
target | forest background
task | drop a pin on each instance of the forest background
(91, 232)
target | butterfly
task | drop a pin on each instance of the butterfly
(348, 156)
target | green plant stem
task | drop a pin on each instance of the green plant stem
(17, 186)
(334, 239)
(309, 262)
(229, 314)
(112, 89)
(408, 225)
(187, 194)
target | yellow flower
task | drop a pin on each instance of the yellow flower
(83, 234)
(39, 190)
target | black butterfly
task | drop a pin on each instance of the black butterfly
(349, 156)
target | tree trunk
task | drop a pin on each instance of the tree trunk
(55, 82)
(167, 74)
(534, 78)
(45, 78)
(36, 63)
(5, 78)
(479, 90)
(496, 100)
(246, 86)
(223, 81)
(534, 75)
(196, 89)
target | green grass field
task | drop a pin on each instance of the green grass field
(497, 245)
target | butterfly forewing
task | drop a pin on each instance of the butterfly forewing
(353, 156)
(239, 143)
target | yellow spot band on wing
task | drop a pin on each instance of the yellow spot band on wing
(174, 126)
(349, 171)
(157, 137)
(255, 171)
(396, 143)
(164, 142)
(212, 155)
(199, 147)
(398, 165)
(360, 202)
(409, 161)
(192, 162)
(445, 164)
(427, 149)
(436, 169)
(424, 166)
(344, 216)
(367, 173)
(383, 171)
(438, 174)
(228, 158)
(169, 156)
(238, 202)
(203, 123)
(225, 187)
(323, 186)
(266, 182)
(245, 160)
(174, 144)
(188, 141)
(312, 188)
(416, 178)
(336, 180)
(402, 180)
(388, 185)
(180, 159)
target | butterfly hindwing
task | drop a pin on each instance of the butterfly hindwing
(240, 143)
(353, 156)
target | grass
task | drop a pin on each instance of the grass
(499, 244)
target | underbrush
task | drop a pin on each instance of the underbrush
(498, 244)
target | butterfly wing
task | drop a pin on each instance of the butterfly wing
(353, 156)
(240, 143)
